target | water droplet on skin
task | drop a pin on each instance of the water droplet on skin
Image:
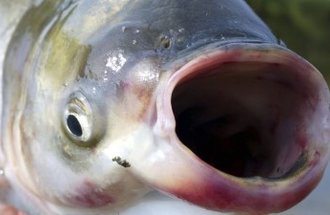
(116, 61)
(222, 37)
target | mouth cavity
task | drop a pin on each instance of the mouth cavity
(245, 116)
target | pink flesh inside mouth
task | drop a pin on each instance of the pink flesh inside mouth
(250, 114)
(244, 120)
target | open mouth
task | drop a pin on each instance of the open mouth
(244, 128)
(245, 118)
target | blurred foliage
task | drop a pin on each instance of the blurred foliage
(304, 25)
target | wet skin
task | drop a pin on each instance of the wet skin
(124, 97)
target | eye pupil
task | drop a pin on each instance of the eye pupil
(74, 125)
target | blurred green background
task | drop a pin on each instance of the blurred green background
(304, 26)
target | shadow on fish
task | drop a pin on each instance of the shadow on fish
(105, 101)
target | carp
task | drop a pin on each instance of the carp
(104, 101)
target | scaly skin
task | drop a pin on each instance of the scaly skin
(104, 102)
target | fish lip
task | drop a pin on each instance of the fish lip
(256, 194)
(223, 53)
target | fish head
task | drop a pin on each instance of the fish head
(75, 150)
(207, 107)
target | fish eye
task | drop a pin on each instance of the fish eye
(74, 125)
(78, 119)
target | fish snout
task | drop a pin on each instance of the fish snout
(244, 128)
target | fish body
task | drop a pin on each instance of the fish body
(104, 101)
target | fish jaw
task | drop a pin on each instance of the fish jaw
(244, 128)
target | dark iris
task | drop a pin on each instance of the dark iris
(74, 125)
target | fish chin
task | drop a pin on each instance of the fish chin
(243, 129)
